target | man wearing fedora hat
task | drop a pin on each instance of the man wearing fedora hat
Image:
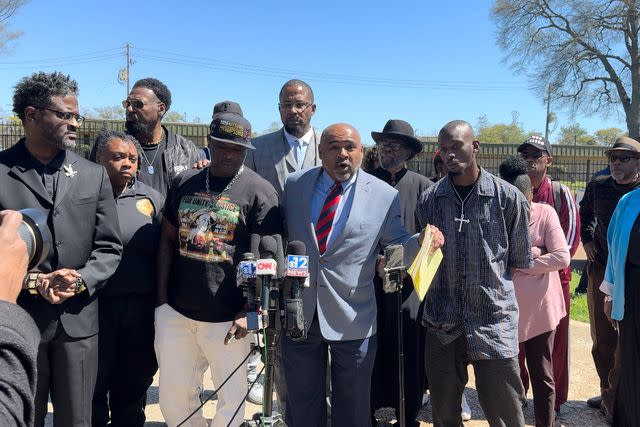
(397, 145)
(209, 218)
(596, 208)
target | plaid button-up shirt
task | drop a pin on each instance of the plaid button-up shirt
(472, 292)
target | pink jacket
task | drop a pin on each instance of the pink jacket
(538, 288)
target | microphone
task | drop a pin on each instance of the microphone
(393, 268)
(296, 275)
(247, 280)
(266, 270)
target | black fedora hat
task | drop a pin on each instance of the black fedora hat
(399, 129)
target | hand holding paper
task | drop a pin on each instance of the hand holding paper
(425, 265)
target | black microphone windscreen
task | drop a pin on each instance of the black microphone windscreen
(268, 247)
(254, 245)
(296, 247)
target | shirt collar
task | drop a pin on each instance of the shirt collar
(386, 176)
(326, 182)
(55, 164)
(306, 138)
(484, 188)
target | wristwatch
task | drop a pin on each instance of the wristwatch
(608, 298)
(32, 282)
(80, 286)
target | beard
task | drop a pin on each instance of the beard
(137, 128)
(64, 143)
(391, 162)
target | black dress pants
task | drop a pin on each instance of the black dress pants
(67, 370)
(127, 360)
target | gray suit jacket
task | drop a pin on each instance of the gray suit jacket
(341, 280)
(84, 224)
(273, 158)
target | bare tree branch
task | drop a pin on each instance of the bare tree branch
(587, 49)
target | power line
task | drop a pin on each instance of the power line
(207, 63)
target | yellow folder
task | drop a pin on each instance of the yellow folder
(425, 265)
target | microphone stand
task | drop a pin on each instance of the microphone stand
(271, 336)
(393, 280)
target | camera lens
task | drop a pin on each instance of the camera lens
(36, 235)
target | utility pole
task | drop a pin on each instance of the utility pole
(123, 74)
(129, 62)
(546, 127)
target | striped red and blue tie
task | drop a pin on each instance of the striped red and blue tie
(328, 212)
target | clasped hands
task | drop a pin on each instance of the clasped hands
(57, 286)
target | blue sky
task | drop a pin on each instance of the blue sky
(426, 61)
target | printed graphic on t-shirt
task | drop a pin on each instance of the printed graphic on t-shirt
(207, 226)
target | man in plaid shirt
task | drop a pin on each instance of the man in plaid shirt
(471, 313)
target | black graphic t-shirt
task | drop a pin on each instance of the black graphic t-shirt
(213, 233)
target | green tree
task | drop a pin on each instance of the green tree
(109, 113)
(8, 8)
(511, 133)
(574, 134)
(587, 50)
(607, 136)
(175, 117)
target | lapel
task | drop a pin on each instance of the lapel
(360, 200)
(311, 155)
(28, 175)
(292, 166)
(308, 181)
(64, 181)
(282, 157)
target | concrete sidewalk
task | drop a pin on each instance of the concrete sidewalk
(583, 385)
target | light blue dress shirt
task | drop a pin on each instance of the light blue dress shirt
(299, 145)
(320, 192)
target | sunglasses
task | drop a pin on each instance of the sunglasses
(622, 158)
(135, 104)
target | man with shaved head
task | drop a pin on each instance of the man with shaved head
(330, 209)
(471, 313)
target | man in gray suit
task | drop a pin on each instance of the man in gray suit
(40, 171)
(329, 209)
(291, 148)
(294, 146)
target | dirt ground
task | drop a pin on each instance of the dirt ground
(583, 385)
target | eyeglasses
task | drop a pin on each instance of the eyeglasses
(67, 116)
(136, 104)
(393, 146)
(298, 107)
(621, 159)
(533, 156)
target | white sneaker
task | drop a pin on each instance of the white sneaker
(255, 394)
(465, 412)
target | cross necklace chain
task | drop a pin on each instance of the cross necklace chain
(462, 220)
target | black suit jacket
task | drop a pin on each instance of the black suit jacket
(84, 225)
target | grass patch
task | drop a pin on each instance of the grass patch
(579, 310)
